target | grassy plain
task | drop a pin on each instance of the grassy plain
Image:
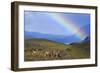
(43, 49)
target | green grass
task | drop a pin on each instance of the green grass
(57, 51)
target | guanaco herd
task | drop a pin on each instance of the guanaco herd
(47, 53)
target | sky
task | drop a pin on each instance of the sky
(56, 23)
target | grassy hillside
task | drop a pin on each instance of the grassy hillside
(42, 49)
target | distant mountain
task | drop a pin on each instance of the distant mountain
(56, 38)
(87, 39)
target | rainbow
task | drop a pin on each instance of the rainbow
(70, 25)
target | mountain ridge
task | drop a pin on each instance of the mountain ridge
(58, 38)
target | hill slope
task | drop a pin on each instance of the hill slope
(42, 49)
